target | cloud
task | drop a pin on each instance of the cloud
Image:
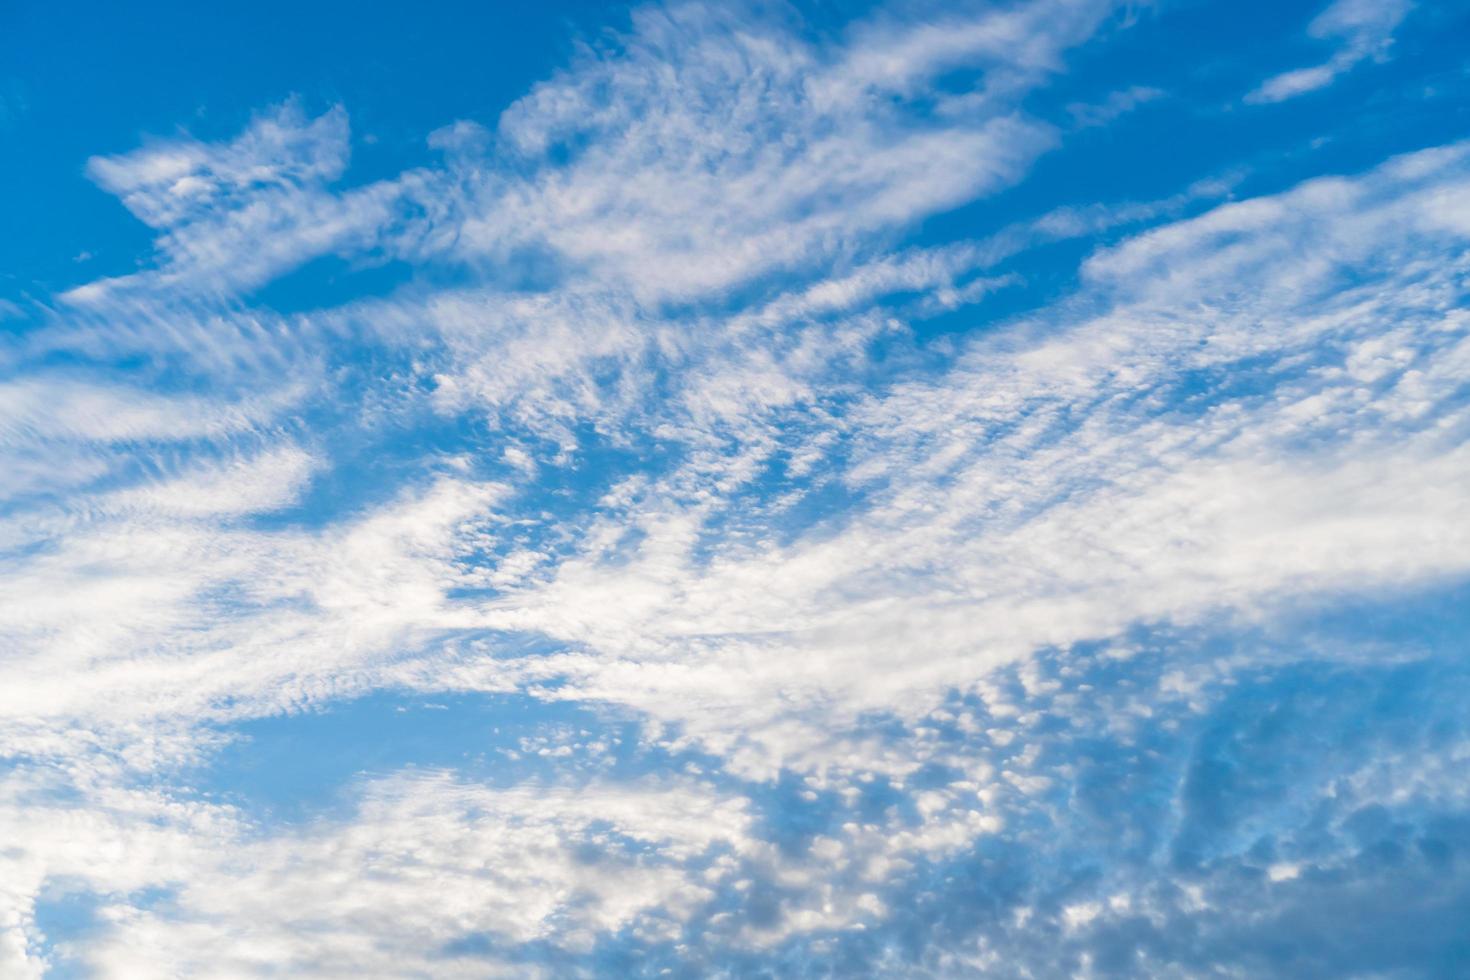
(649, 196)
(1028, 491)
(441, 877)
(232, 217)
(1363, 29)
(172, 182)
(932, 639)
(660, 194)
(1117, 104)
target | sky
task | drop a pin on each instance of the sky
(742, 489)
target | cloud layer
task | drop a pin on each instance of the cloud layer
(827, 613)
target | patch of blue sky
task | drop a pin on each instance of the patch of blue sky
(68, 915)
(299, 766)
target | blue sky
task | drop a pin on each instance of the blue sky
(755, 490)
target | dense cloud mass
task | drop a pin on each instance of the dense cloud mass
(737, 542)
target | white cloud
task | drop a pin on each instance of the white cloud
(236, 215)
(710, 150)
(1233, 411)
(1117, 104)
(160, 617)
(66, 408)
(1362, 29)
(1030, 497)
(423, 863)
(170, 182)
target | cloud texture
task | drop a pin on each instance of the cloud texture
(807, 603)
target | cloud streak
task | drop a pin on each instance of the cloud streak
(1362, 30)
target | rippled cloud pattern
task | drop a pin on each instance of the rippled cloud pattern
(892, 489)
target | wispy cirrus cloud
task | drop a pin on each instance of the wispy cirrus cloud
(1362, 29)
(562, 868)
(1026, 490)
(879, 638)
